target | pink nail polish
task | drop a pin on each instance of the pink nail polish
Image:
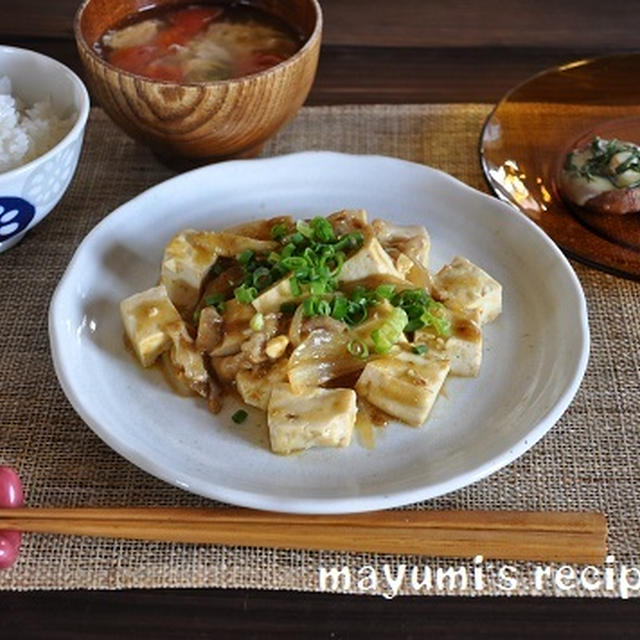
(11, 495)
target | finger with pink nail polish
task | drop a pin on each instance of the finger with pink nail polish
(11, 495)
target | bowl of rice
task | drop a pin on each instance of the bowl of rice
(43, 112)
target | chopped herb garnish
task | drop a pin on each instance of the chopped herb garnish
(422, 311)
(245, 294)
(245, 256)
(278, 231)
(309, 307)
(239, 416)
(322, 229)
(390, 332)
(420, 349)
(304, 228)
(600, 161)
(358, 348)
(340, 307)
(295, 287)
(214, 299)
(385, 291)
(261, 278)
(257, 322)
(323, 308)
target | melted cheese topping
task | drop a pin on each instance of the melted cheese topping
(580, 189)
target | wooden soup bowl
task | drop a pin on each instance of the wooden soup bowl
(200, 121)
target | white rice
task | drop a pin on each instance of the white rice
(27, 132)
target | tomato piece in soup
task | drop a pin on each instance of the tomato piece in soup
(192, 20)
(162, 71)
(185, 24)
(135, 59)
(260, 61)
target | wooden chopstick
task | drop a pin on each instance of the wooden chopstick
(509, 535)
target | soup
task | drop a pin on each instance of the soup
(199, 42)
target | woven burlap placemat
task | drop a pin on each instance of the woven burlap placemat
(588, 461)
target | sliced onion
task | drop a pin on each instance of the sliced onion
(295, 328)
(419, 275)
(321, 357)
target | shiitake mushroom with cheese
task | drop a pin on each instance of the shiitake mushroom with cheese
(603, 176)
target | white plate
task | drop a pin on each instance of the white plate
(535, 353)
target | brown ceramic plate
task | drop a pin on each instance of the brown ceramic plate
(528, 134)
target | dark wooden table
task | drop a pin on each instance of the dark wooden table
(374, 51)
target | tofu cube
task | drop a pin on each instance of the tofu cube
(466, 288)
(255, 385)
(403, 384)
(187, 260)
(271, 299)
(146, 317)
(412, 240)
(369, 261)
(191, 254)
(348, 220)
(463, 348)
(315, 418)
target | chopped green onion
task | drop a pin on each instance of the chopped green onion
(356, 313)
(310, 255)
(422, 311)
(295, 287)
(340, 308)
(323, 308)
(297, 238)
(358, 348)
(322, 229)
(304, 228)
(257, 322)
(277, 271)
(295, 263)
(261, 278)
(328, 251)
(385, 291)
(414, 325)
(359, 295)
(288, 250)
(318, 287)
(309, 307)
(420, 349)
(288, 307)
(381, 344)
(414, 310)
(278, 231)
(339, 262)
(245, 294)
(273, 258)
(390, 332)
(441, 325)
(214, 299)
(240, 416)
(350, 241)
(245, 256)
(196, 316)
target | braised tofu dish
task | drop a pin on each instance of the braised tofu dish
(320, 323)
